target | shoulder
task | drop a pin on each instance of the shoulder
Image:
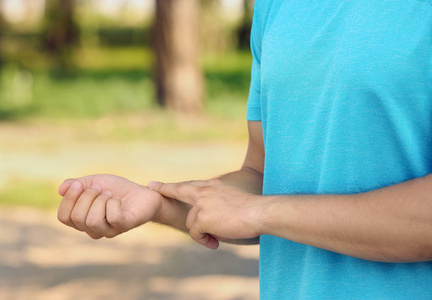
(262, 10)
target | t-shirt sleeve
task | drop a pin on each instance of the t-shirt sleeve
(254, 103)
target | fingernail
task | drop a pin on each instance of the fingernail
(96, 187)
(152, 184)
(76, 185)
(107, 193)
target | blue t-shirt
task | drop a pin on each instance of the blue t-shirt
(344, 92)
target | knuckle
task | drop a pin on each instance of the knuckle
(203, 218)
(91, 192)
(199, 192)
(215, 181)
(94, 236)
(206, 190)
(111, 235)
(75, 217)
(93, 223)
(63, 218)
(200, 203)
(114, 220)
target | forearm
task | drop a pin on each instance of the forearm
(250, 181)
(247, 179)
(174, 213)
(392, 224)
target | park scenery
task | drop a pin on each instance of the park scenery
(145, 89)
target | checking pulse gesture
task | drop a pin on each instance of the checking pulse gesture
(219, 211)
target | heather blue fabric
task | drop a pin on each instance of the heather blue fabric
(344, 92)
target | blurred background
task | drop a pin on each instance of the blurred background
(145, 89)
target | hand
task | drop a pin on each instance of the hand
(106, 205)
(219, 211)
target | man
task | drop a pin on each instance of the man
(340, 139)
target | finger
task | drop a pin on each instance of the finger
(65, 186)
(204, 239)
(116, 217)
(96, 219)
(183, 192)
(195, 182)
(93, 235)
(68, 202)
(82, 206)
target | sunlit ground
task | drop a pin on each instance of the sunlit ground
(42, 259)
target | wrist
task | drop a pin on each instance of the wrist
(161, 215)
(259, 216)
(172, 213)
(269, 215)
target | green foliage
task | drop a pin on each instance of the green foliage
(228, 78)
(16, 97)
(103, 59)
(91, 94)
(115, 81)
(29, 193)
(111, 96)
(61, 34)
(120, 36)
(110, 93)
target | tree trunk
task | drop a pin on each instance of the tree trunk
(62, 33)
(179, 79)
(244, 29)
(1, 35)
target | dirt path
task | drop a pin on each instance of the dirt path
(41, 259)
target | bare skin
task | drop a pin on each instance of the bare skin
(107, 205)
(392, 224)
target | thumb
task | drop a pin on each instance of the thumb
(208, 241)
(116, 217)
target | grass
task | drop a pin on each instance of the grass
(117, 82)
(38, 194)
(110, 95)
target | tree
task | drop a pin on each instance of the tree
(1, 34)
(179, 80)
(61, 32)
(244, 30)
